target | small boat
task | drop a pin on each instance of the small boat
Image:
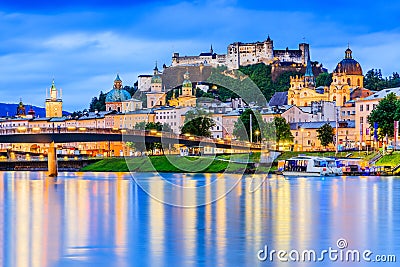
(311, 166)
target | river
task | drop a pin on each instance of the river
(111, 219)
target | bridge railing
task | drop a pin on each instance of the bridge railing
(161, 134)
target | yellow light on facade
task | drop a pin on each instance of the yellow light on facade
(82, 129)
(36, 129)
(187, 134)
(71, 128)
(153, 131)
(159, 134)
(115, 129)
(21, 129)
(123, 131)
(191, 137)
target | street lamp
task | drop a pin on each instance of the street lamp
(302, 135)
(257, 133)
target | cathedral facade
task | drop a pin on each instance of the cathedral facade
(185, 96)
(346, 78)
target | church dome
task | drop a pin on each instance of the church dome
(186, 81)
(348, 65)
(117, 95)
(156, 79)
(156, 76)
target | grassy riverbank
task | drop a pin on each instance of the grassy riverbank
(391, 160)
(173, 163)
(165, 164)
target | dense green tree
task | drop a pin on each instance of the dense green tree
(325, 134)
(198, 123)
(98, 103)
(241, 128)
(385, 113)
(201, 93)
(140, 125)
(323, 79)
(374, 80)
(282, 130)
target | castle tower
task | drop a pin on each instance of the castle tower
(305, 52)
(54, 103)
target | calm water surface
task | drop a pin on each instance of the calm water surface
(106, 219)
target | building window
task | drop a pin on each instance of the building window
(361, 119)
(367, 107)
(361, 107)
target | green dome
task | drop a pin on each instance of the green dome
(186, 81)
(117, 95)
(156, 76)
(156, 79)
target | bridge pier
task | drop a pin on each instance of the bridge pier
(52, 161)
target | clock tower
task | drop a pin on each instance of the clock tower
(54, 103)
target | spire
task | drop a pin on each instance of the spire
(211, 50)
(53, 86)
(268, 39)
(117, 82)
(309, 71)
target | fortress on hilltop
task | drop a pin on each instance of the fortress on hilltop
(243, 54)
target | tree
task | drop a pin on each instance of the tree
(385, 113)
(323, 79)
(140, 125)
(373, 80)
(197, 122)
(325, 134)
(242, 126)
(282, 130)
(98, 103)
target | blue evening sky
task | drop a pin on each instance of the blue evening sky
(83, 44)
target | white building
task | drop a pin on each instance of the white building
(173, 116)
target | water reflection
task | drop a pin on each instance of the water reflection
(107, 220)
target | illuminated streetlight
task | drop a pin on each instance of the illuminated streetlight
(302, 134)
(257, 133)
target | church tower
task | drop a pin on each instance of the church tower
(54, 103)
(309, 78)
(187, 96)
(156, 96)
(21, 112)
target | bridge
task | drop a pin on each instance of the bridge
(53, 136)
